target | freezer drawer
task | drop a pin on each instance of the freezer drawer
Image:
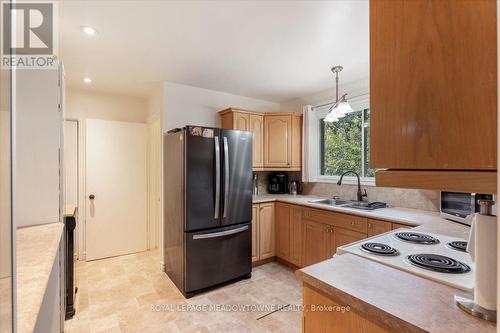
(217, 256)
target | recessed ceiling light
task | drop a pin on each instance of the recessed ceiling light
(87, 80)
(88, 30)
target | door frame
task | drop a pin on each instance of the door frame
(80, 214)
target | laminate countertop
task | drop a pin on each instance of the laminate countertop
(400, 300)
(412, 217)
(36, 250)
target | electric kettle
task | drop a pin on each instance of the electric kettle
(295, 187)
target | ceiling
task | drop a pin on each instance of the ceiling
(270, 50)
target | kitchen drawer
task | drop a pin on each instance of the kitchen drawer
(397, 226)
(376, 227)
(346, 221)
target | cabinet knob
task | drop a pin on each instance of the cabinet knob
(352, 223)
(369, 225)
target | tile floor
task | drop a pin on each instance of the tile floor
(130, 294)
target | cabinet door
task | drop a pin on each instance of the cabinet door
(343, 237)
(431, 72)
(277, 141)
(241, 121)
(297, 141)
(334, 321)
(376, 227)
(397, 226)
(282, 218)
(255, 233)
(267, 247)
(316, 242)
(257, 127)
(296, 232)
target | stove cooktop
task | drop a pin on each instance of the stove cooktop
(433, 256)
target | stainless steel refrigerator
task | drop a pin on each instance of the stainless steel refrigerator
(207, 206)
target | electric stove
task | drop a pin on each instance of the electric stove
(432, 256)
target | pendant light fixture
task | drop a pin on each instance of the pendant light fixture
(341, 107)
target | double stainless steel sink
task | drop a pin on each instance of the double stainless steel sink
(363, 205)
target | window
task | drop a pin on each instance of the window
(345, 145)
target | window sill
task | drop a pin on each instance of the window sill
(365, 181)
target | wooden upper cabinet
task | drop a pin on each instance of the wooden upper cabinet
(278, 143)
(241, 121)
(296, 141)
(256, 122)
(277, 140)
(433, 89)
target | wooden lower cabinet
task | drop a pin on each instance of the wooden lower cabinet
(255, 233)
(317, 242)
(321, 241)
(283, 235)
(267, 243)
(397, 226)
(376, 227)
(343, 237)
(289, 233)
(323, 314)
(296, 233)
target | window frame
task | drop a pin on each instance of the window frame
(349, 180)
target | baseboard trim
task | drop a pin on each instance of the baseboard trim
(263, 261)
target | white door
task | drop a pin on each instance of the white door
(116, 179)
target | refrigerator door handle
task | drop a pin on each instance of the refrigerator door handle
(226, 176)
(217, 177)
(221, 233)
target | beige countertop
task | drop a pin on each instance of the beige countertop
(70, 210)
(401, 300)
(36, 250)
(407, 216)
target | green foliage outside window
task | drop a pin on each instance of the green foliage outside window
(342, 146)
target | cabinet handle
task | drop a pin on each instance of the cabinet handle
(369, 225)
(352, 223)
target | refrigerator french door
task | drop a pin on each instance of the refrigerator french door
(218, 177)
(214, 211)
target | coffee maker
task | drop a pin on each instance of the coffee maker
(278, 183)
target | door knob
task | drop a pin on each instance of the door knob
(91, 197)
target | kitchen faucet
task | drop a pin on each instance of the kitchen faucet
(359, 194)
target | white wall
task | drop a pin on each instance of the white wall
(87, 104)
(155, 104)
(83, 104)
(187, 105)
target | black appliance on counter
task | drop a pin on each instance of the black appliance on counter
(278, 183)
(69, 276)
(208, 206)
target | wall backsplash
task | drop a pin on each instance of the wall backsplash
(264, 178)
(400, 197)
